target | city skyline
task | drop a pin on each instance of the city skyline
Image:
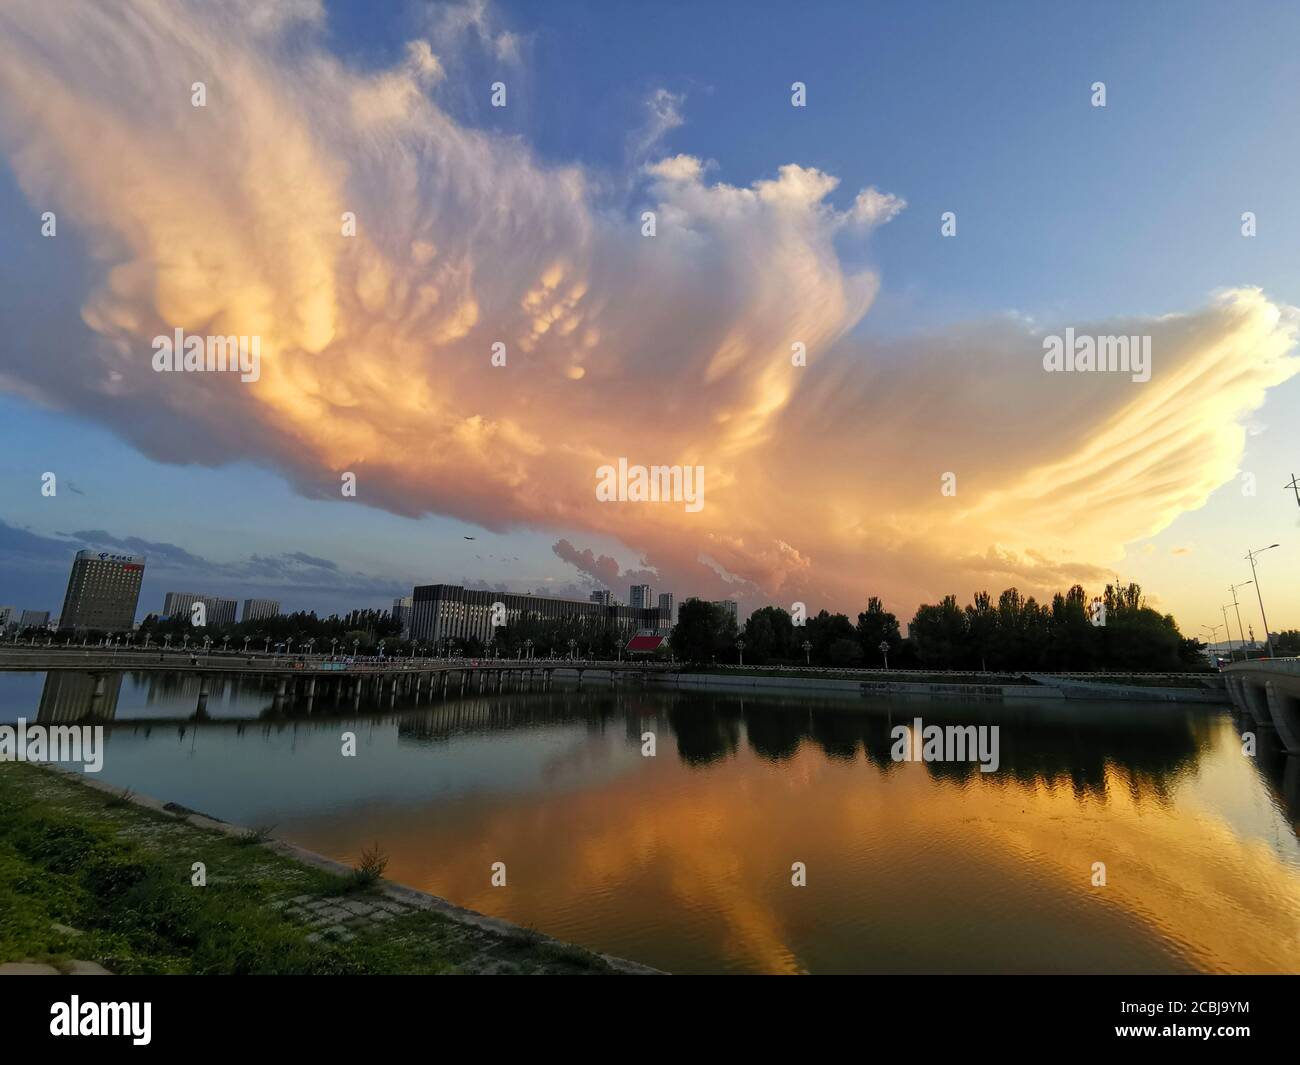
(825, 482)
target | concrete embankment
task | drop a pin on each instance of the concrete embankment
(1039, 686)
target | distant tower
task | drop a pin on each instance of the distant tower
(640, 599)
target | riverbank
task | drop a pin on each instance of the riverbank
(90, 874)
(969, 686)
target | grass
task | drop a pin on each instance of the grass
(370, 870)
(106, 880)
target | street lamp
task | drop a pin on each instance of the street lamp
(807, 652)
(528, 649)
(572, 645)
(246, 639)
(884, 650)
(1228, 629)
(1212, 629)
(740, 647)
(225, 644)
(1233, 589)
(1268, 639)
(333, 644)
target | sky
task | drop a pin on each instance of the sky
(920, 449)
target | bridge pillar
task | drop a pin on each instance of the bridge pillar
(311, 687)
(201, 710)
(1255, 699)
(1285, 713)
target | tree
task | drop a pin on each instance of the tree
(703, 631)
(877, 625)
(939, 633)
(769, 635)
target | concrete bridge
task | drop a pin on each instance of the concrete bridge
(308, 676)
(1268, 690)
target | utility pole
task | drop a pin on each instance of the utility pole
(1268, 640)
(1233, 589)
(1228, 630)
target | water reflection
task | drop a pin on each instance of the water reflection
(682, 860)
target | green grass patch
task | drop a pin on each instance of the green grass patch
(117, 878)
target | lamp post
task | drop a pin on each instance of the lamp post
(268, 645)
(807, 653)
(1228, 630)
(740, 648)
(1233, 590)
(528, 647)
(572, 644)
(246, 642)
(884, 650)
(1268, 640)
(1212, 630)
(225, 643)
(333, 644)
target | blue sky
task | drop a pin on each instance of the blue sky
(1064, 212)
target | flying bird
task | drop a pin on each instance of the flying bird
(469, 538)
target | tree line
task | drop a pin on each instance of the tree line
(1011, 633)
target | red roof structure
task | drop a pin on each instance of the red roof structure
(644, 643)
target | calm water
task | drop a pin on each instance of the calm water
(682, 861)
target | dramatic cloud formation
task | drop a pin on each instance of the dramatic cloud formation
(822, 481)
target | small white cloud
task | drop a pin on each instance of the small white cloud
(874, 208)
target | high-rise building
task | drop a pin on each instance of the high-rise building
(449, 611)
(729, 606)
(257, 609)
(103, 591)
(604, 597)
(666, 618)
(402, 613)
(640, 597)
(216, 611)
(34, 619)
(8, 616)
